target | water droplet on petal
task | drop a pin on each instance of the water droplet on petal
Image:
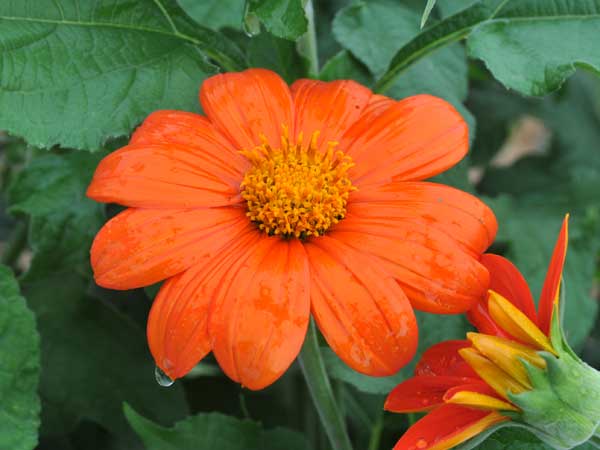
(162, 378)
(421, 443)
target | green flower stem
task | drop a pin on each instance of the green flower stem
(319, 386)
(376, 432)
(307, 44)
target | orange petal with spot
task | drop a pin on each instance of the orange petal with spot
(140, 247)
(190, 130)
(329, 108)
(178, 322)
(414, 139)
(507, 281)
(550, 290)
(446, 427)
(437, 273)
(479, 396)
(422, 393)
(460, 215)
(165, 176)
(244, 105)
(363, 314)
(259, 316)
(443, 359)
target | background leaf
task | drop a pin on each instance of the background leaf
(213, 431)
(19, 368)
(533, 50)
(282, 18)
(76, 73)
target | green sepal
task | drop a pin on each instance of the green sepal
(562, 408)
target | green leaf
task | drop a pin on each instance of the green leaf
(445, 32)
(51, 190)
(345, 66)
(280, 55)
(282, 18)
(93, 357)
(213, 431)
(534, 50)
(19, 368)
(77, 73)
(527, 45)
(428, 8)
(432, 329)
(215, 14)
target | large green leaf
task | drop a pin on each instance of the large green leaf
(528, 45)
(215, 14)
(282, 18)
(213, 431)
(539, 43)
(76, 72)
(93, 357)
(19, 368)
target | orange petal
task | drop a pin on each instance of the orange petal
(178, 322)
(139, 247)
(244, 105)
(329, 108)
(434, 271)
(363, 314)
(507, 281)
(446, 427)
(165, 175)
(516, 323)
(259, 316)
(443, 359)
(479, 396)
(190, 130)
(416, 138)
(460, 215)
(422, 393)
(550, 290)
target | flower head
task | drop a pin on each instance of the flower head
(282, 202)
(517, 367)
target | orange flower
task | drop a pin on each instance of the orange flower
(283, 202)
(471, 385)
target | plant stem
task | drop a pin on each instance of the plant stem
(376, 433)
(319, 386)
(307, 44)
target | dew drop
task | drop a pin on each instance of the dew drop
(421, 443)
(162, 378)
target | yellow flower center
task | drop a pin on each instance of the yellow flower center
(295, 190)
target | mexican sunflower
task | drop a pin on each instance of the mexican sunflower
(283, 202)
(516, 367)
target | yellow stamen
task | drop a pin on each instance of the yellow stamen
(296, 191)
(499, 380)
(507, 355)
(473, 430)
(516, 323)
(480, 401)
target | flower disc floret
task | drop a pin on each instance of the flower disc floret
(296, 191)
